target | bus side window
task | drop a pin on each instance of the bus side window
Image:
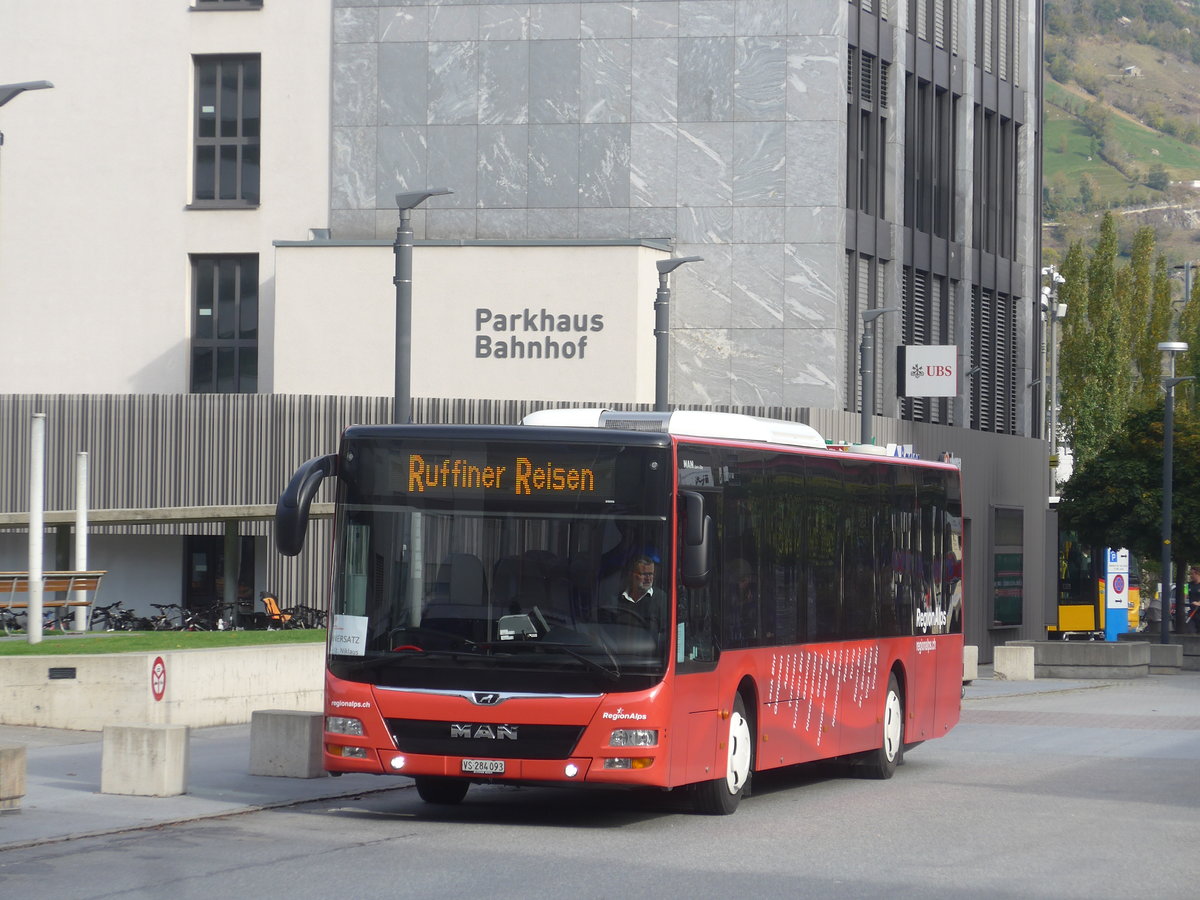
(695, 627)
(695, 642)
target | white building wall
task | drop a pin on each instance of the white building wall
(95, 179)
(475, 310)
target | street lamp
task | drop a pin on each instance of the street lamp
(866, 368)
(402, 405)
(1169, 349)
(662, 326)
(1055, 312)
(8, 91)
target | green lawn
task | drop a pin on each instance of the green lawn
(144, 641)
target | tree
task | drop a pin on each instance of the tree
(1115, 498)
(1087, 194)
(1158, 179)
(1096, 360)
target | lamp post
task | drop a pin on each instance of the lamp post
(1168, 349)
(866, 368)
(1055, 312)
(662, 326)
(8, 91)
(403, 247)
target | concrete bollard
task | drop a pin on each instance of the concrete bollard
(12, 777)
(144, 760)
(286, 742)
(970, 663)
(1013, 664)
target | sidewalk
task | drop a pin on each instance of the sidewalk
(63, 799)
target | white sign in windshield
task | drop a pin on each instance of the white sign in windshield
(349, 636)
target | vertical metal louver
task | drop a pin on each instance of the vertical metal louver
(939, 23)
(986, 31)
(920, 24)
(994, 350)
(866, 79)
(1003, 13)
(884, 73)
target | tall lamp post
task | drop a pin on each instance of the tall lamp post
(1055, 312)
(403, 247)
(662, 326)
(1168, 349)
(866, 368)
(8, 91)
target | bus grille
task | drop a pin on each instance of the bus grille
(482, 739)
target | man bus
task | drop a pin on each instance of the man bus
(795, 603)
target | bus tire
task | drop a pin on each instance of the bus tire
(720, 797)
(442, 791)
(881, 763)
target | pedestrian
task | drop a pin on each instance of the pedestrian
(1192, 614)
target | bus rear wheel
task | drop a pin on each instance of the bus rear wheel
(443, 791)
(881, 763)
(721, 796)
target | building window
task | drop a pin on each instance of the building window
(994, 350)
(1008, 564)
(226, 128)
(929, 152)
(225, 324)
(866, 142)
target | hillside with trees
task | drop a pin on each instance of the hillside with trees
(1122, 122)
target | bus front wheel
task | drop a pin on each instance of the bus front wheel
(881, 763)
(720, 797)
(443, 791)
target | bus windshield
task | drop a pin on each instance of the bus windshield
(519, 566)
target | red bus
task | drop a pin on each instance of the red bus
(659, 600)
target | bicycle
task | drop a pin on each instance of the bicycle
(113, 617)
(165, 621)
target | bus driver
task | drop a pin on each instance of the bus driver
(639, 603)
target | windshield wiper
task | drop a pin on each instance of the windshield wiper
(613, 674)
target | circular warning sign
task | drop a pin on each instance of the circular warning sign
(1119, 584)
(158, 678)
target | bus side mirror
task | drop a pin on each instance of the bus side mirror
(697, 541)
(291, 512)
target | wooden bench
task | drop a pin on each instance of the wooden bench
(13, 584)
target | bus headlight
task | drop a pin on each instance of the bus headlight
(634, 737)
(344, 725)
(638, 762)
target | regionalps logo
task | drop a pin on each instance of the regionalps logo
(931, 618)
(620, 715)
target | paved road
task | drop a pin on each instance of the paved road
(1046, 789)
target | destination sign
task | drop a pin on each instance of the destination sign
(544, 474)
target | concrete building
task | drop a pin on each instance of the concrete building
(196, 226)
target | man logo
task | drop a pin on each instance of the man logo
(482, 699)
(484, 732)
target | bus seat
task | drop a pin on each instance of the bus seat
(458, 601)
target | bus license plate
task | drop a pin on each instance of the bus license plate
(483, 766)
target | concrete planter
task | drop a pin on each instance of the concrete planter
(180, 687)
(1088, 659)
(1189, 645)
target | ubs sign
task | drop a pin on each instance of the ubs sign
(927, 371)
